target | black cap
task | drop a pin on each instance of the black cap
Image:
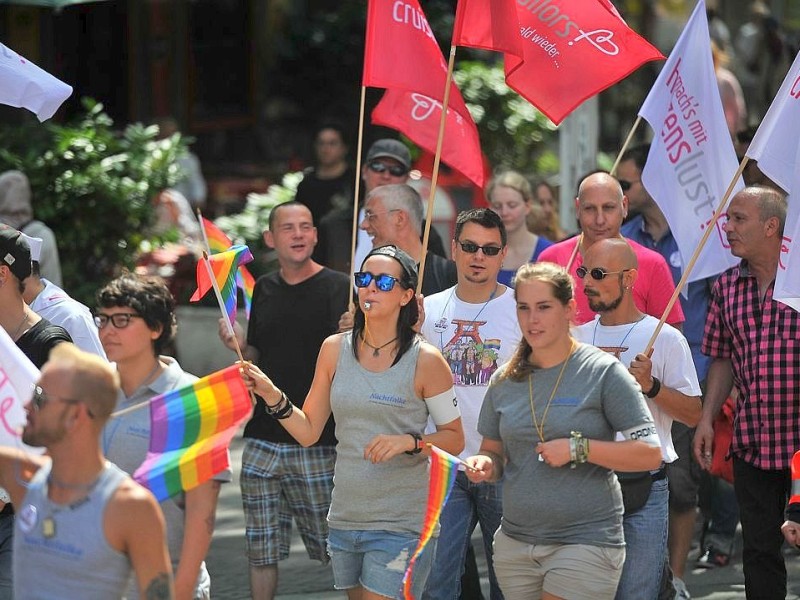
(15, 252)
(408, 264)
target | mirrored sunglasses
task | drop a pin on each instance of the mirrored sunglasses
(383, 282)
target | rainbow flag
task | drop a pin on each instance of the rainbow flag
(190, 431)
(224, 266)
(217, 242)
(444, 467)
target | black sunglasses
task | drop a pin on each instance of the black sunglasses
(394, 170)
(118, 320)
(472, 248)
(626, 185)
(39, 399)
(383, 282)
(596, 273)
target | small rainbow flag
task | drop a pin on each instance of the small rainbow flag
(223, 265)
(190, 431)
(217, 242)
(444, 467)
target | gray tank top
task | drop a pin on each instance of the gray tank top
(388, 496)
(61, 551)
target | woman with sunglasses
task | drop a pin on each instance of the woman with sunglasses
(382, 383)
(136, 318)
(548, 423)
(510, 196)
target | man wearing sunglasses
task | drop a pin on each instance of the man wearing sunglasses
(36, 337)
(474, 325)
(294, 309)
(669, 381)
(601, 207)
(388, 162)
(649, 228)
(393, 215)
(83, 525)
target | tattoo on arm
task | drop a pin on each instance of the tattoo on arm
(158, 589)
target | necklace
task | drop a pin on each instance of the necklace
(21, 323)
(622, 343)
(376, 350)
(539, 427)
(49, 522)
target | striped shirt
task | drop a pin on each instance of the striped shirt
(762, 341)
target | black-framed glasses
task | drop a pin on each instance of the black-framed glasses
(597, 273)
(626, 185)
(394, 170)
(472, 248)
(118, 320)
(383, 282)
(40, 399)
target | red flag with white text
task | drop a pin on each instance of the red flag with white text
(402, 55)
(488, 24)
(571, 51)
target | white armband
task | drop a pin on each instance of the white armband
(443, 407)
(646, 432)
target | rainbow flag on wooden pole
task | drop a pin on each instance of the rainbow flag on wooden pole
(190, 431)
(444, 467)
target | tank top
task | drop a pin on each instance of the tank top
(74, 560)
(391, 495)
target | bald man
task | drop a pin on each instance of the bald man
(82, 524)
(668, 379)
(601, 207)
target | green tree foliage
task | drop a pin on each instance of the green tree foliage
(93, 186)
(514, 134)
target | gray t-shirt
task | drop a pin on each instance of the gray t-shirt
(548, 505)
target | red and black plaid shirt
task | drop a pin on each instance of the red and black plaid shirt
(763, 343)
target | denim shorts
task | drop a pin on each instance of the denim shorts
(377, 561)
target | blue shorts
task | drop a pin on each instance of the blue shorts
(377, 561)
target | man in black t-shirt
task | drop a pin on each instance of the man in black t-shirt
(294, 309)
(35, 337)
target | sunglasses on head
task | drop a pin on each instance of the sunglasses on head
(626, 185)
(394, 170)
(597, 273)
(383, 282)
(472, 248)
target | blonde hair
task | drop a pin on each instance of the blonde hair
(513, 180)
(563, 286)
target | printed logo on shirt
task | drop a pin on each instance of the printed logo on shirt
(387, 399)
(472, 359)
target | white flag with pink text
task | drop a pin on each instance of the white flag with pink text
(692, 160)
(776, 147)
(18, 375)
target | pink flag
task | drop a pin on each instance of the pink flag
(692, 159)
(776, 147)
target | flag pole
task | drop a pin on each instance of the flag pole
(436, 160)
(574, 252)
(613, 171)
(685, 276)
(357, 188)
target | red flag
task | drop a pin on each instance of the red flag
(417, 116)
(488, 24)
(402, 55)
(571, 51)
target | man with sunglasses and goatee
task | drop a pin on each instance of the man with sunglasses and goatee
(669, 381)
(601, 207)
(474, 325)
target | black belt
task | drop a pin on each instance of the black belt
(660, 474)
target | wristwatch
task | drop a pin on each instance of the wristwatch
(417, 444)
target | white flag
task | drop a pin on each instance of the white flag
(692, 160)
(18, 375)
(24, 85)
(776, 147)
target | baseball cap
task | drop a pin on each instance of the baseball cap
(408, 264)
(389, 148)
(15, 252)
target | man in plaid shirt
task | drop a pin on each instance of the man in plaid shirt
(754, 342)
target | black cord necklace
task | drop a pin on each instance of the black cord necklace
(376, 350)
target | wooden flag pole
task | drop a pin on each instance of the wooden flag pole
(613, 171)
(436, 160)
(357, 187)
(574, 254)
(680, 285)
